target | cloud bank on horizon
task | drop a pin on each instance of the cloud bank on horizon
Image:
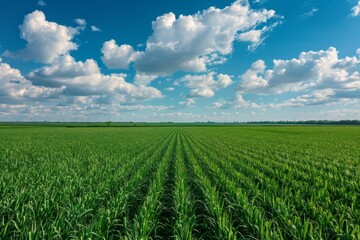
(191, 67)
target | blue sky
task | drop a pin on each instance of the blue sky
(179, 60)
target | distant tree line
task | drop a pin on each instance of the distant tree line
(312, 122)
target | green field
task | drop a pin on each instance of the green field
(231, 182)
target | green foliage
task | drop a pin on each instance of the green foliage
(180, 182)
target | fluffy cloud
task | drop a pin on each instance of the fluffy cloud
(322, 77)
(191, 43)
(63, 70)
(311, 70)
(15, 87)
(45, 40)
(253, 36)
(182, 43)
(50, 43)
(187, 103)
(203, 86)
(83, 108)
(317, 97)
(237, 102)
(252, 81)
(115, 56)
(355, 11)
(143, 78)
(85, 79)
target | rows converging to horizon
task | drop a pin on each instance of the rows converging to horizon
(247, 182)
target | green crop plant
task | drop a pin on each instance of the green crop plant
(183, 203)
(180, 182)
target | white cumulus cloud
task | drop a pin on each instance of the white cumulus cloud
(237, 102)
(321, 76)
(115, 56)
(182, 43)
(192, 42)
(187, 103)
(316, 97)
(85, 79)
(16, 87)
(203, 86)
(311, 70)
(63, 69)
(45, 40)
(143, 78)
(253, 36)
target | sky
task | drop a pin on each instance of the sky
(180, 61)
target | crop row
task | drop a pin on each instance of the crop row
(179, 183)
